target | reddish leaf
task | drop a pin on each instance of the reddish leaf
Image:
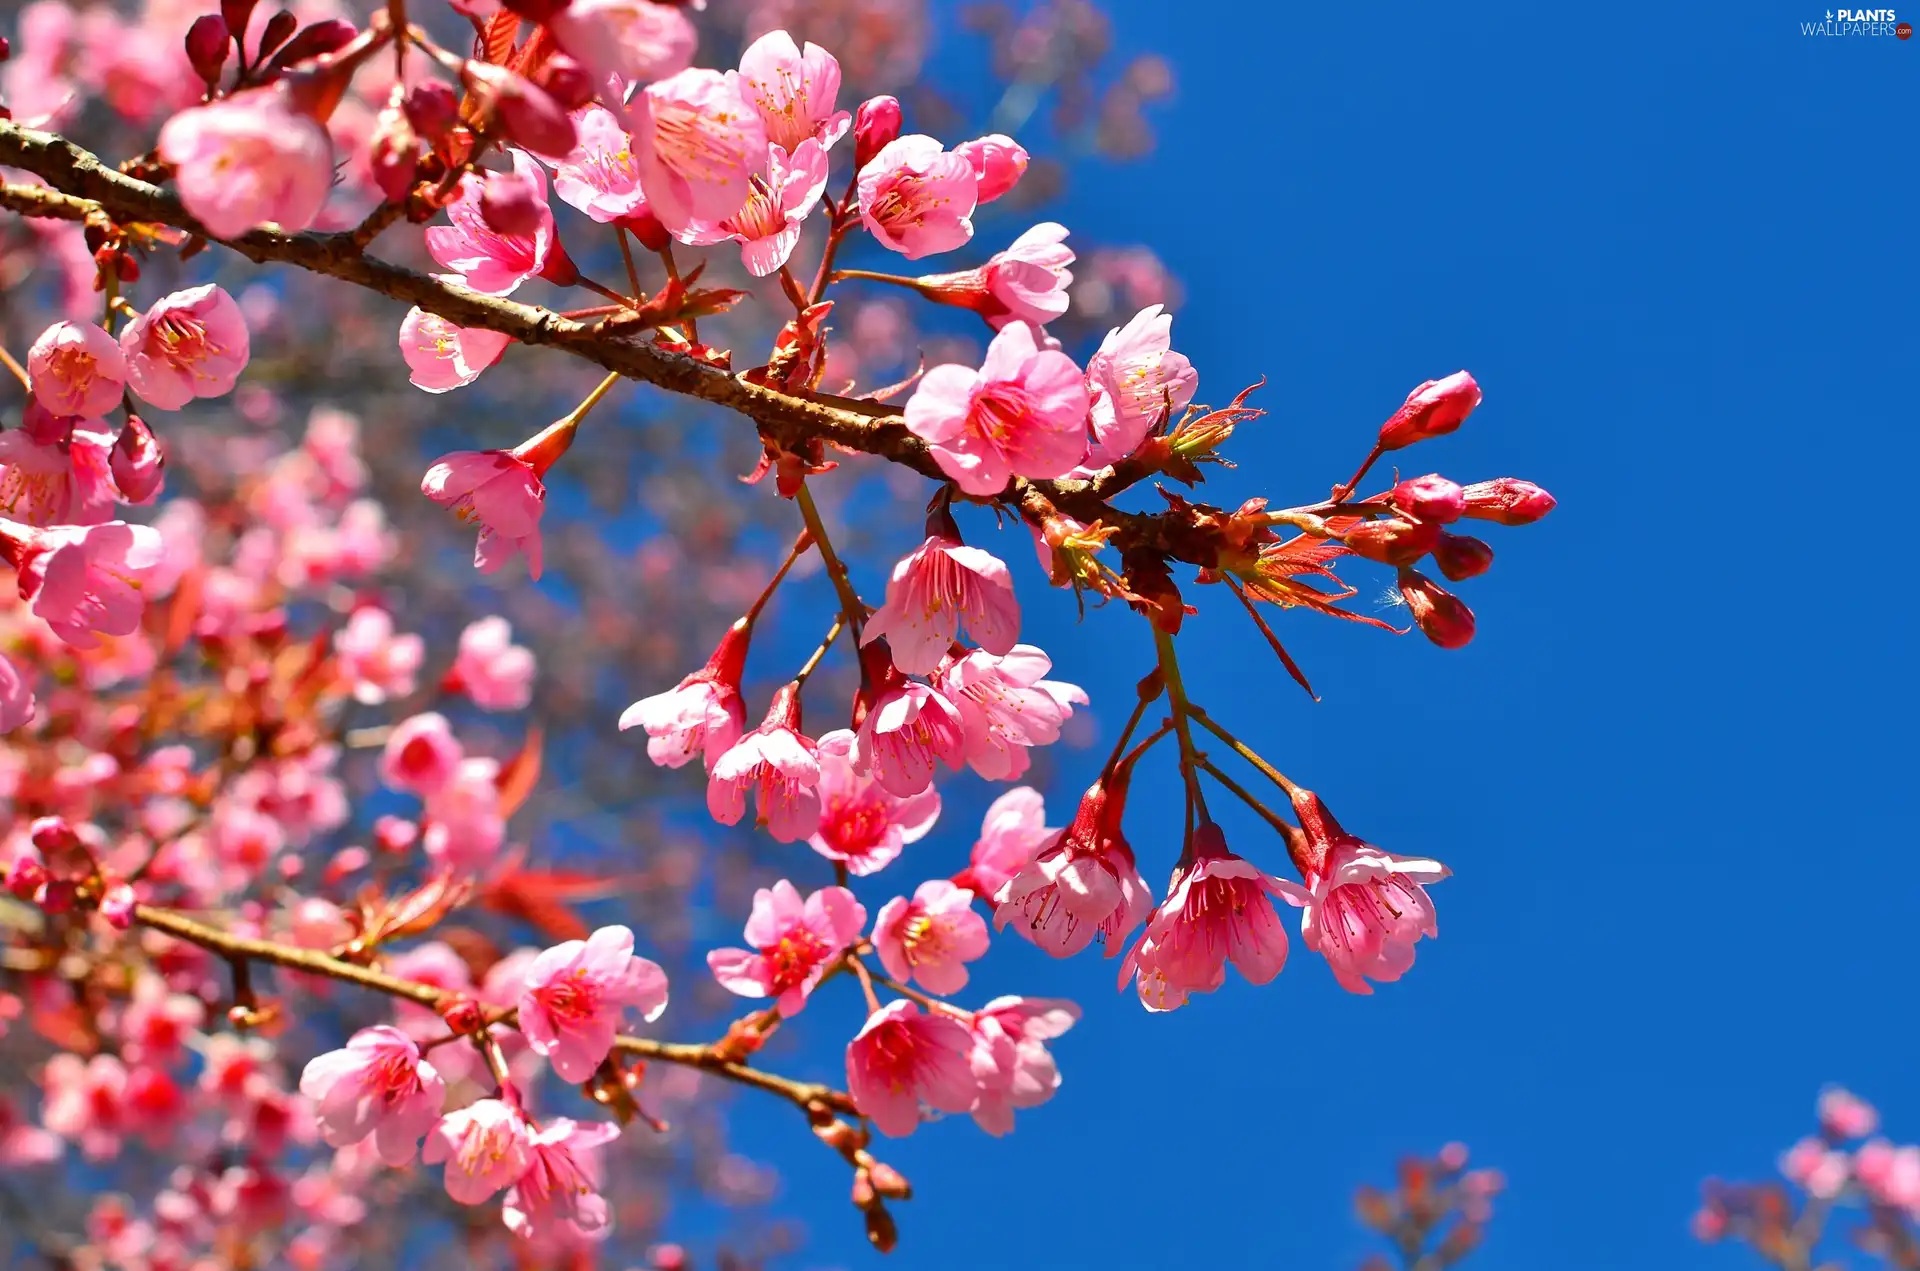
(520, 774)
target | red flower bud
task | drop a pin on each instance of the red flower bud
(527, 114)
(393, 152)
(1462, 556)
(138, 464)
(280, 26)
(570, 83)
(1508, 500)
(1434, 409)
(534, 10)
(876, 123)
(509, 204)
(116, 905)
(208, 42)
(1442, 616)
(462, 1015)
(52, 834)
(889, 1181)
(1430, 498)
(26, 877)
(1393, 541)
(432, 108)
(236, 14)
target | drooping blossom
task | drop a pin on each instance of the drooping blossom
(464, 824)
(249, 159)
(485, 259)
(56, 470)
(575, 993)
(1365, 908)
(998, 163)
(1010, 1058)
(931, 937)
(490, 668)
(767, 225)
(503, 490)
(903, 1057)
(791, 943)
(636, 40)
(910, 727)
(1026, 283)
(1081, 885)
(375, 659)
(1023, 413)
(137, 462)
(702, 714)
(378, 1085)
(421, 754)
(697, 143)
(1219, 910)
(189, 344)
(1007, 706)
(84, 582)
(486, 1145)
(1011, 835)
(794, 91)
(441, 356)
(76, 369)
(600, 176)
(1846, 1115)
(780, 764)
(862, 825)
(935, 588)
(1135, 379)
(916, 198)
(559, 1194)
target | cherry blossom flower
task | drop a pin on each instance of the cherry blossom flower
(1135, 379)
(767, 225)
(464, 826)
(56, 470)
(17, 704)
(1365, 908)
(1026, 283)
(794, 91)
(378, 1085)
(791, 943)
(909, 727)
(137, 463)
(1023, 413)
(490, 668)
(484, 258)
(84, 582)
(442, 357)
(377, 661)
(697, 143)
(1011, 835)
(998, 163)
(916, 198)
(702, 714)
(932, 937)
(779, 764)
(76, 369)
(936, 587)
(421, 755)
(1219, 909)
(559, 1194)
(503, 490)
(1846, 1115)
(1010, 1059)
(189, 344)
(862, 825)
(903, 1057)
(86, 1102)
(600, 176)
(249, 159)
(486, 1145)
(1007, 706)
(1083, 883)
(636, 40)
(575, 993)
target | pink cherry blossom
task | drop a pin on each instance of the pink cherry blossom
(86, 1102)
(1219, 910)
(499, 490)
(483, 258)
(998, 163)
(491, 669)
(17, 704)
(1010, 1059)
(1011, 835)
(559, 1194)
(932, 937)
(1007, 705)
(56, 470)
(464, 828)
(767, 225)
(1135, 379)
(780, 765)
(24, 1145)
(791, 943)
(903, 1057)
(636, 40)
(378, 1085)
(909, 727)
(697, 143)
(189, 344)
(1846, 1115)
(1366, 908)
(936, 587)
(794, 91)
(421, 755)
(862, 825)
(1026, 283)
(84, 582)
(76, 369)
(442, 357)
(916, 198)
(1082, 884)
(486, 1145)
(702, 714)
(249, 159)
(1023, 413)
(376, 660)
(575, 993)
(600, 176)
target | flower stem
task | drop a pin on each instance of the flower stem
(826, 642)
(1245, 751)
(801, 543)
(1190, 756)
(19, 371)
(850, 603)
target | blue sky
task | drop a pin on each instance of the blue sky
(1674, 243)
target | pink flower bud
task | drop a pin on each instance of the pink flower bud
(876, 123)
(510, 204)
(1393, 541)
(51, 834)
(1462, 556)
(998, 162)
(393, 151)
(139, 466)
(1442, 616)
(26, 877)
(569, 83)
(236, 13)
(279, 27)
(1508, 501)
(528, 115)
(1430, 498)
(432, 109)
(208, 41)
(1434, 409)
(116, 905)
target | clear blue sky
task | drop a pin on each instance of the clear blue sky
(1675, 244)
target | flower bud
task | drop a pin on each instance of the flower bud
(1462, 556)
(279, 27)
(393, 152)
(52, 834)
(998, 163)
(875, 124)
(534, 10)
(116, 905)
(138, 464)
(208, 41)
(432, 109)
(1508, 501)
(462, 1015)
(527, 114)
(1430, 498)
(890, 1182)
(58, 895)
(1393, 541)
(863, 1193)
(510, 205)
(1440, 614)
(236, 14)
(880, 1229)
(570, 83)
(26, 877)
(1434, 409)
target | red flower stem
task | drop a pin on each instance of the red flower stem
(801, 543)
(626, 257)
(826, 642)
(1150, 689)
(1177, 699)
